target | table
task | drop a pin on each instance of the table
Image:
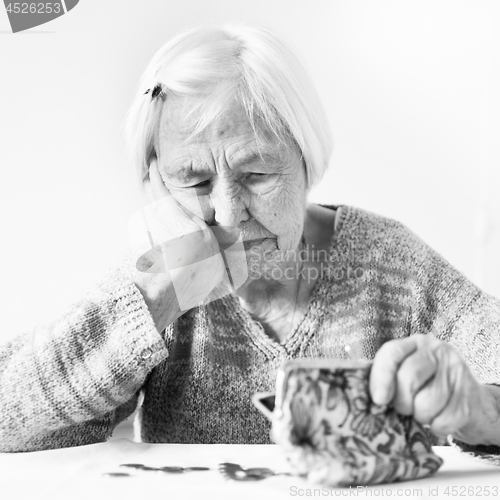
(77, 473)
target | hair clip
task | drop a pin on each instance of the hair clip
(157, 91)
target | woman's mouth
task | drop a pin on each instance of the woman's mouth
(252, 243)
(258, 242)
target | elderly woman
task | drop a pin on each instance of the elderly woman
(229, 136)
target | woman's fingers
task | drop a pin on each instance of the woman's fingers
(162, 198)
(413, 374)
(432, 399)
(385, 368)
(445, 403)
(166, 237)
(426, 378)
(158, 188)
(163, 228)
(175, 217)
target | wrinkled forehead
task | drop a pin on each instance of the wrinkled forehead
(180, 117)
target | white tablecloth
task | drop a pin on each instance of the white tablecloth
(78, 473)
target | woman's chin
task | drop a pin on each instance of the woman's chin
(263, 258)
(263, 250)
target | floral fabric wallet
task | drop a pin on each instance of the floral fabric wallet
(331, 431)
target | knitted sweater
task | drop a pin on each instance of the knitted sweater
(70, 383)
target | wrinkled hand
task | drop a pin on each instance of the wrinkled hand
(426, 378)
(166, 238)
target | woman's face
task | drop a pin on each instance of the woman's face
(256, 184)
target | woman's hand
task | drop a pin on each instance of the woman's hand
(176, 252)
(427, 378)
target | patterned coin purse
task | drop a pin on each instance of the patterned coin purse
(333, 433)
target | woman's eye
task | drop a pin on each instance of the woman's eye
(201, 184)
(257, 176)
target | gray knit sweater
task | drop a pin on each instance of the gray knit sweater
(70, 383)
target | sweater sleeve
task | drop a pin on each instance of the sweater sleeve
(71, 382)
(446, 304)
(476, 336)
(449, 306)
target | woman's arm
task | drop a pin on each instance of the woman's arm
(70, 382)
(441, 377)
(476, 336)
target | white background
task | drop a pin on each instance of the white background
(411, 89)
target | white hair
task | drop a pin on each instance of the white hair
(217, 64)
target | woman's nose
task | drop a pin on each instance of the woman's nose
(229, 207)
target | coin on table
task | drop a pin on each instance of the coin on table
(230, 466)
(259, 472)
(237, 473)
(172, 470)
